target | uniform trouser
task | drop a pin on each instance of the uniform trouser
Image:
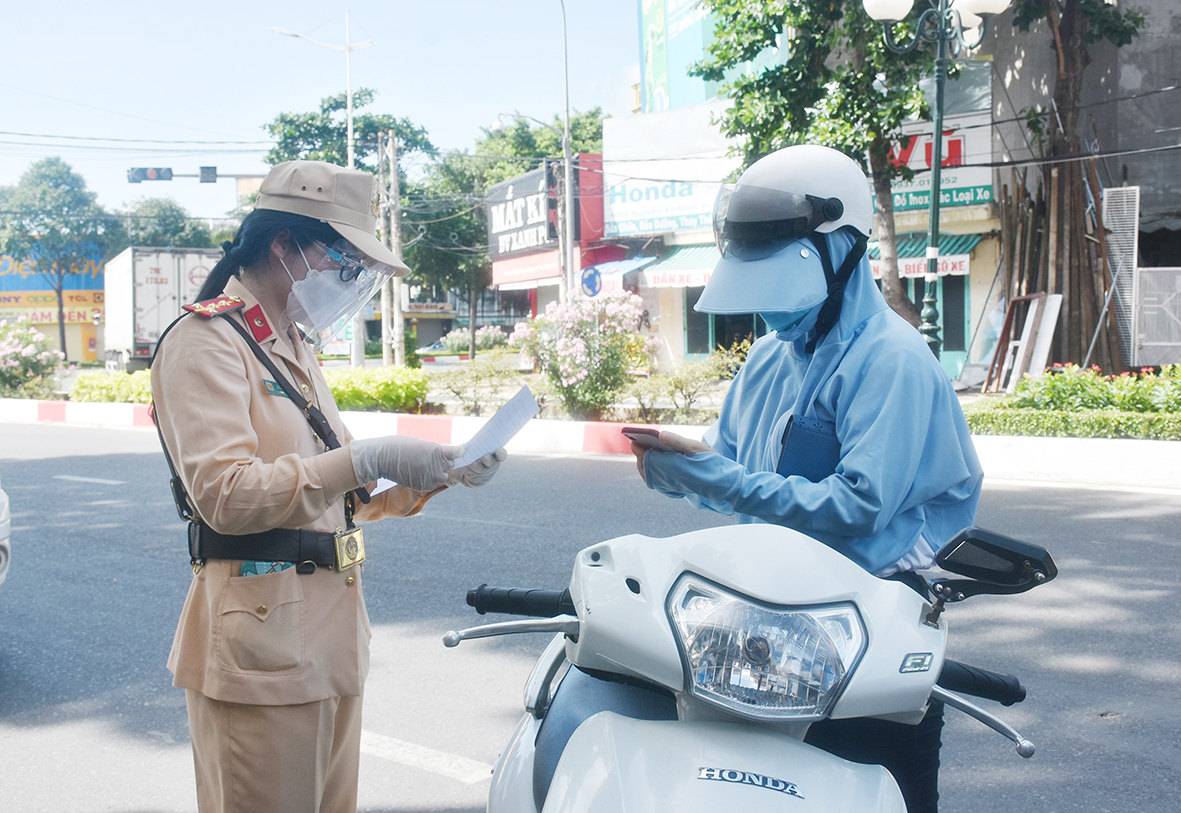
(909, 752)
(294, 759)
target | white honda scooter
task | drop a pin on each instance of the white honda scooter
(686, 671)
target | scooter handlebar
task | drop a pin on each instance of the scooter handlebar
(967, 679)
(521, 601)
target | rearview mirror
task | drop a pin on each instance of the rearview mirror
(996, 559)
(995, 563)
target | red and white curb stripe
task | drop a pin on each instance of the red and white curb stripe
(113, 415)
(539, 435)
(1147, 466)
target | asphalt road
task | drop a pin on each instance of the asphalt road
(90, 722)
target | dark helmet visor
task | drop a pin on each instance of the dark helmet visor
(753, 222)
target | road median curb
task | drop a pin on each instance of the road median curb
(1086, 461)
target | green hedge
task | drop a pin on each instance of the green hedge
(135, 388)
(1082, 423)
(386, 389)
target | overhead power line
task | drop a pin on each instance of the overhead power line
(179, 150)
(129, 140)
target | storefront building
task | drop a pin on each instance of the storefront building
(28, 294)
(663, 167)
(523, 228)
(661, 175)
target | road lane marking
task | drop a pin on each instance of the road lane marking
(465, 770)
(98, 480)
(1060, 484)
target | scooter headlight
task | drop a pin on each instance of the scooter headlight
(763, 661)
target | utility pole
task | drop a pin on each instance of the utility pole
(384, 225)
(398, 321)
(566, 272)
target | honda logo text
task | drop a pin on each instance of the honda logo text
(747, 778)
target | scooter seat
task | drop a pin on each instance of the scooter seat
(579, 697)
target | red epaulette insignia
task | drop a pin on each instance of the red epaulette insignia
(212, 307)
(257, 322)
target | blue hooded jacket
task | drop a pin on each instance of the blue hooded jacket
(907, 465)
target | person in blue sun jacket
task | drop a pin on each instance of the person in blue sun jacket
(841, 423)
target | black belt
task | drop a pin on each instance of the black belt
(303, 548)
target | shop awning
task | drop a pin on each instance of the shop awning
(955, 254)
(686, 267)
(529, 270)
(914, 244)
(606, 278)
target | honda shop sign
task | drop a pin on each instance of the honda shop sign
(661, 171)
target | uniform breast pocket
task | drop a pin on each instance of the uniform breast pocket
(261, 623)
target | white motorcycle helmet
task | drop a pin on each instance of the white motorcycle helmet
(769, 229)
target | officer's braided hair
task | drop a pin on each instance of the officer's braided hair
(253, 241)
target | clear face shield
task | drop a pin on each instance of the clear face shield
(754, 222)
(339, 281)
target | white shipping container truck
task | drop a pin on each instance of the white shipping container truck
(145, 289)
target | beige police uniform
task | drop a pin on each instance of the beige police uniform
(274, 665)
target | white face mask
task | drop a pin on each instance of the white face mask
(322, 303)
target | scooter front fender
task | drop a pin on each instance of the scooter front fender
(615, 764)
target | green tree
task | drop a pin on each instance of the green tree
(322, 135)
(444, 219)
(1075, 25)
(837, 84)
(165, 223)
(52, 220)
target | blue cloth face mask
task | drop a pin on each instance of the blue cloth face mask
(791, 325)
(783, 320)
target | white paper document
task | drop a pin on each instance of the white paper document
(499, 430)
(501, 427)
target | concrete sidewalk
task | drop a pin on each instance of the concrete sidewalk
(1152, 465)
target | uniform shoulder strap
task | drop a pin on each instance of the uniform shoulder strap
(215, 307)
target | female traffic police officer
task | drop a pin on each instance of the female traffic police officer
(841, 424)
(272, 647)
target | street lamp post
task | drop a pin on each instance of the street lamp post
(358, 348)
(568, 281)
(571, 271)
(945, 24)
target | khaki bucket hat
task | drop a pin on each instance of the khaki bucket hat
(342, 198)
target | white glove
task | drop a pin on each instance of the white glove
(476, 474)
(420, 465)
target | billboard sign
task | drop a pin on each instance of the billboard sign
(517, 217)
(966, 140)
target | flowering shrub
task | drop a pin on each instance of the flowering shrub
(586, 348)
(27, 362)
(1072, 388)
(487, 337)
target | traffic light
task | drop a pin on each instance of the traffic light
(139, 174)
(208, 174)
(555, 180)
(553, 196)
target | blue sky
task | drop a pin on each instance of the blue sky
(211, 71)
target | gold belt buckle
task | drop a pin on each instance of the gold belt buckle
(350, 548)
